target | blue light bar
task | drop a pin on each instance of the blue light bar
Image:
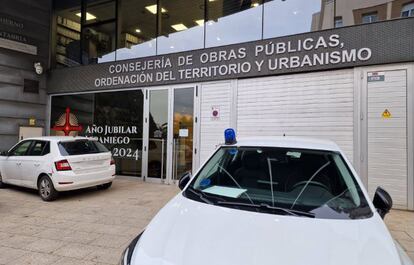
(230, 136)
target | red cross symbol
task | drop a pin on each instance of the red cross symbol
(67, 128)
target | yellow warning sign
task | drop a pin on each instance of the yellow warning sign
(386, 114)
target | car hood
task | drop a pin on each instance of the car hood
(187, 232)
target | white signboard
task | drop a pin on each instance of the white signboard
(183, 133)
(215, 112)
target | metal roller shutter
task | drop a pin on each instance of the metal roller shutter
(318, 105)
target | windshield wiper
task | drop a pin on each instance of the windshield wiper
(264, 206)
(199, 194)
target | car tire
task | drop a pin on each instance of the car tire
(104, 186)
(46, 189)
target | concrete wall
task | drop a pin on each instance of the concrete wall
(17, 106)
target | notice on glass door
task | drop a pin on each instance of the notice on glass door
(183, 133)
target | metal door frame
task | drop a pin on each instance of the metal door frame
(170, 143)
(146, 135)
(361, 128)
(169, 163)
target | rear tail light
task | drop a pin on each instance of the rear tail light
(112, 161)
(62, 165)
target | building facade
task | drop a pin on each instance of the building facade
(158, 81)
(24, 42)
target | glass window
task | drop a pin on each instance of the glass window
(81, 147)
(338, 22)
(21, 149)
(118, 117)
(99, 43)
(282, 18)
(369, 18)
(181, 26)
(230, 21)
(115, 118)
(303, 183)
(138, 30)
(407, 10)
(38, 148)
(99, 11)
(68, 32)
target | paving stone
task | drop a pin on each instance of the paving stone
(34, 258)
(9, 255)
(408, 245)
(105, 255)
(74, 250)
(45, 245)
(111, 241)
(18, 241)
(401, 235)
(72, 261)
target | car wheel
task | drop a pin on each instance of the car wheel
(46, 189)
(105, 186)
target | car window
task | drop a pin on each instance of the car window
(46, 150)
(20, 149)
(38, 149)
(318, 183)
(81, 147)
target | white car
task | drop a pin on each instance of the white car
(53, 164)
(286, 201)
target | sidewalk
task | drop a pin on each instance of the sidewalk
(401, 226)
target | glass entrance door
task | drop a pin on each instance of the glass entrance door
(169, 133)
(157, 120)
(182, 131)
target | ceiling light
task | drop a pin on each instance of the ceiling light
(137, 30)
(89, 16)
(200, 22)
(179, 27)
(153, 9)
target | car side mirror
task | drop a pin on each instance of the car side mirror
(382, 202)
(184, 179)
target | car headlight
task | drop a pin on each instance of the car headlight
(127, 254)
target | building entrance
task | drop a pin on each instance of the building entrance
(169, 133)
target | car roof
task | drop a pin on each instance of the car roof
(58, 138)
(288, 142)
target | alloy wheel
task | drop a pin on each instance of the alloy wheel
(45, 188)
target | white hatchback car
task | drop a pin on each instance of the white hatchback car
(53, 164)
(283, 201)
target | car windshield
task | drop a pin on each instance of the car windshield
(81, 147)
(306, 183)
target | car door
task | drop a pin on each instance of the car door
(34, 163)
(12, 165)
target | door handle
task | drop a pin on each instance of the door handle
(19, 163)
(36, 165)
